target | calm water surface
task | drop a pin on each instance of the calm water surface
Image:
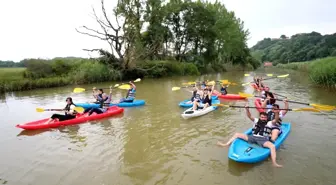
(153, 144)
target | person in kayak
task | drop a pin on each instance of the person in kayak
(104, 104)
(263, 93)
(70, 113)
(130, 94)
(205, 100)
(195, 92)
(223, 89)
(276, 128)
(260, 133)
(268, 102)
(102, 98)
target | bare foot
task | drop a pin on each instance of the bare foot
(277, 165)
(222, 144)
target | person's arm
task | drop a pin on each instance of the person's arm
(132, 84)
(248, 113)
(276, 118)
(286, 107)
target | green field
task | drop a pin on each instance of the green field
(9, 74)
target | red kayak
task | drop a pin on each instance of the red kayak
(80, 118)
(232, 97)
(257, 103)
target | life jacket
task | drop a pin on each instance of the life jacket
(261, 128)
(130, 93)
(104, 102)
(271, 116)
(223, 91)
(67, 108)
(206, 99)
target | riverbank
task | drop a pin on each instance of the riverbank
(57, 73)
(321, 71)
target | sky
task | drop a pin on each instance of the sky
(46, 28)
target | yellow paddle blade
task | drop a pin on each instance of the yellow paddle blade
(176, 88)
(137, 80)
(283, 76)
(79, 109)
(246, 83)
(233, 84)
(78, 90)
(306, 109)
(269, 75)
(125, 86)
(211, 83)
(39, 110)
(191, 83)
(246, 74)
(116, 85)
(245, 95)
(225, 81)
(221, 105)
(323, 107)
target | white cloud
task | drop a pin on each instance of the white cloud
(46, 29)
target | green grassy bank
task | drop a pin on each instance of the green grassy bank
(321, 71)
(60, 72)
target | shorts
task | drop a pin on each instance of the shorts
(258, 140)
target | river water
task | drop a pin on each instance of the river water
(153, 144)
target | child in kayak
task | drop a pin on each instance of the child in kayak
(104, 104)
(130, 94)
(70, 113)
(205, 100)
(260, 133)
(223, 89)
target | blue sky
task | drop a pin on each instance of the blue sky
(46, 28)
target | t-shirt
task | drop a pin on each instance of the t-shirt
(72, 107)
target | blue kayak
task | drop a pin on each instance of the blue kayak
(184, 103)
(244, 152)
(123, 104)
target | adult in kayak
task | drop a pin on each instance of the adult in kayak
(223, 89)
(70, 113)
(102, 98)
(276, 128)
(205, 99)
(130, 94)
(260, 133)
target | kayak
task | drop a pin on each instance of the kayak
(80, 118)
(185, 103)
(123, 104)
(257, 103)
(232, 97)
(244, 152)
(189, 113)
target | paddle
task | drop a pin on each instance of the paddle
(317, 106)
(122, 86)
(178, 88)
(266, 74)
(295, 110)
(77, 109)
(280, 76)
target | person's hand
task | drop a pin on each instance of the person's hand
(285, 100)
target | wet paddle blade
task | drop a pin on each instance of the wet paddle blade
(283, 76)
(176, 88)
(79, 109)
(78, 90)
(308, 109)
(137, 80)
(246, 74)
(116, 85)
(125, 86)
(246, 83)
(39, 110)
(323, 107)
(245, 95)
(269, 75)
